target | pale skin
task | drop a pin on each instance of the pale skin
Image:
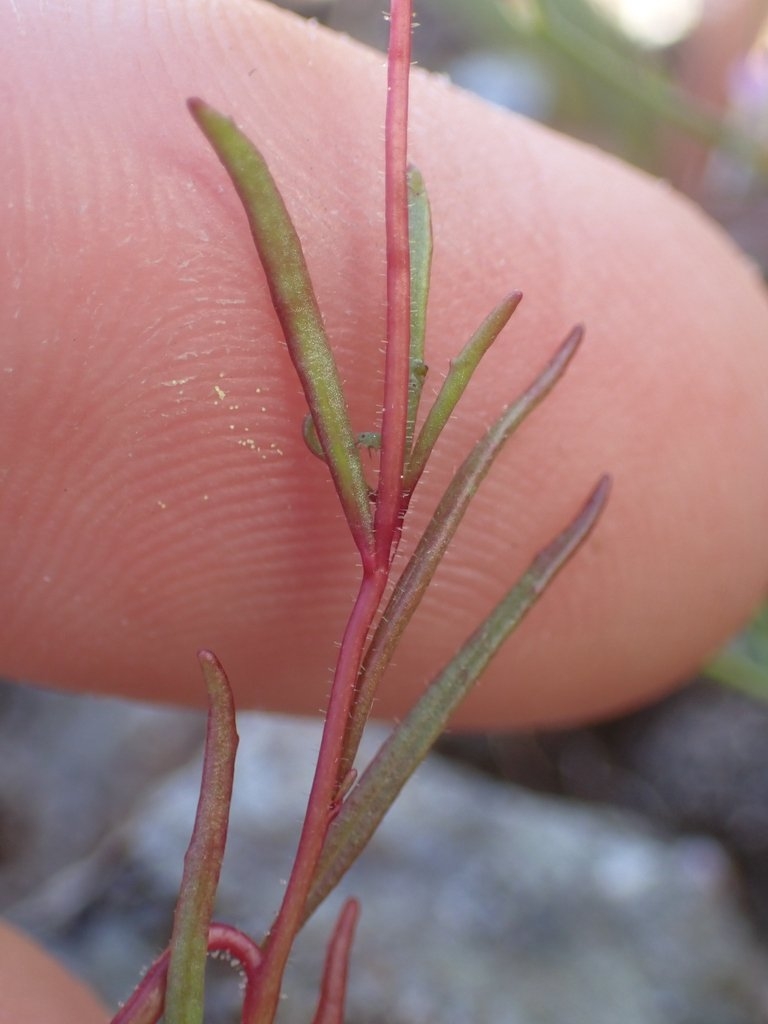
(157, 495)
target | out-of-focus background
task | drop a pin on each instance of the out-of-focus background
(605, 874)
(677, 87)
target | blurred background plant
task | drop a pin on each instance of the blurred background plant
(676, 87)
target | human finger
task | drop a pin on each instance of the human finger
(37, 990)
(157, 494)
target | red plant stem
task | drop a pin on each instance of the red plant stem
(147, 1003)
(263, 1001)
(334, 989)
(397, 364)
(320, 808)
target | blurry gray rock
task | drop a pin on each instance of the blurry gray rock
(72, 769)
(481, 904)
(694, 762)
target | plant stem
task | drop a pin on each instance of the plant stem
(322, 798)
(397, 367)
(147, 1002)
(408, 744)
(330, 1009)
(421, 566)
(325, 786)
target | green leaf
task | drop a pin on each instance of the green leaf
(454, 385)
(407, 746)
(184, 996)
(420, 242)
(743, 663)
(387, 520)
(428, 554)
(296, 306)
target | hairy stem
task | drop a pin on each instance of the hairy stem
(411, 740)
(397, 367)
(147, 1002)
(322, 800)
(330, 1009)
(434, 542)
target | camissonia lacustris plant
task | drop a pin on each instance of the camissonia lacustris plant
(345, 806)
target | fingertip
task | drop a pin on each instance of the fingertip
(35, 989)
(158, 487)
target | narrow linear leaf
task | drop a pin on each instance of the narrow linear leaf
(743, 663)
(409, 743)
(333, 993)
(734, 669)
(420, 242)
(454, 385)
(417, 374)
(297, 309)
(202, 862)
(424, 561)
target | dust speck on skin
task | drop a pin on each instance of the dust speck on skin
(176, 382)
(220, 392)
(161, 504)
(247, 442)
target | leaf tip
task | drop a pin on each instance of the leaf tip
(593, 506)
(216, 681)
(600, 494)
(209, 661)
(575, 336)
(513, 300)
(205, 116)
(197, 107)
